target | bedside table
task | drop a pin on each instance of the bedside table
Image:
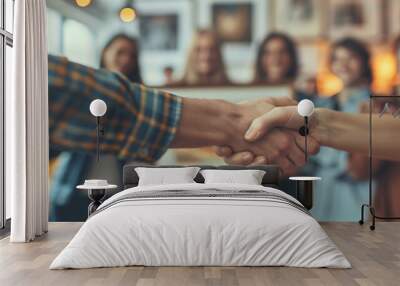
(96, 194)
(304, 189)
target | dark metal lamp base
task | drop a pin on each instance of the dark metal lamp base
(372, 212)
(96, 196)
(304, 193)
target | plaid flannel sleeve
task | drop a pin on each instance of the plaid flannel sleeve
(139, 124)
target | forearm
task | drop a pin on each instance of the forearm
(140, 122)
(350, 132)
(341, 130)
(206, 122)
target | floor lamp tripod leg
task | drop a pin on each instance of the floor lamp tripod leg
(372, 211)
(361, 221)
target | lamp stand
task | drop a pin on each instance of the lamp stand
(370, 202)
(99, 131)
(97, 138)
(304, 132)
(305, 139)
(369, 205)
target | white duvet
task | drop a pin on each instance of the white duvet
(200, 231)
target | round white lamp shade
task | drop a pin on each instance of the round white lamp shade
(305, 108)
(98, 107)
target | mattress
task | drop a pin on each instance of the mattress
(201, 225)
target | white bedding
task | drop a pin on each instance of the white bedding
(200, 231)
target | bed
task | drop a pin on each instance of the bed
(198, 224)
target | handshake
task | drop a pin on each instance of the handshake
(267, 132)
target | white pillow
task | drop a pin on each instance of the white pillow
(248, 177)
(163, 176)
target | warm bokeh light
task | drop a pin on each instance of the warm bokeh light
(328, 84)
(384, 70)
(127, 14)
(83, 3)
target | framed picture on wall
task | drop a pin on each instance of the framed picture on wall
(241, 25)
(233, 22)
(300, 18)
(394, 18)
(164, 25)
(165, 29)
(159, 32)
(357, 18)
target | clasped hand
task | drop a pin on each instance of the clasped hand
(271, 136)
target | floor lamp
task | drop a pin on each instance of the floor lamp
(370, 203)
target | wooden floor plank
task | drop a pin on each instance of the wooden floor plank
(375, 257)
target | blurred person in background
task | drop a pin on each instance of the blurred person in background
(70, 168)
(121, 54)
(306, 87)
(168, 75)
(205, 64)
(277, 60)
(277, 63)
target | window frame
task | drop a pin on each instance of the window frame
(6, 39)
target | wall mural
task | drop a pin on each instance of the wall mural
(335, 53)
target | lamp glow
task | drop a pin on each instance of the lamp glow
(127, 14)
(83, 3)
(98, 107)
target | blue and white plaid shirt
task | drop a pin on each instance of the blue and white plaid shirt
(140, 122)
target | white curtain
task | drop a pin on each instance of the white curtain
(27, 124)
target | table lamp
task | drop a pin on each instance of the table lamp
(98, 108)
(305, 108)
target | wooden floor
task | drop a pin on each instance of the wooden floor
(375, 257)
